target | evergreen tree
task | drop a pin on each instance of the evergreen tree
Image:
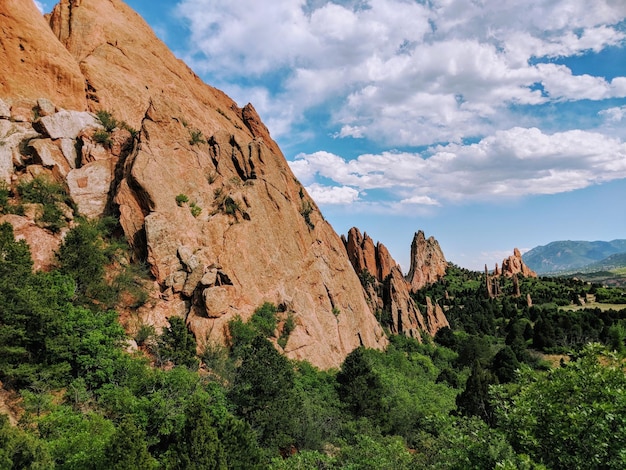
(360, 388)
(127, 449)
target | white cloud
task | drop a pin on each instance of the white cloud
(513, 163)
(615, 114)
(327, 195)
(39, 5)
(398, 71)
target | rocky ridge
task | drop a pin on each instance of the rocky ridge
(202, 192)
(388, 291)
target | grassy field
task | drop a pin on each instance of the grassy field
(572, 308)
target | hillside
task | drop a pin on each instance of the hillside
(570, 255)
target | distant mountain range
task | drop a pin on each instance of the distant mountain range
(568, 256)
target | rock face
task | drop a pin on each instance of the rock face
(387, 290)
(202, 191)
(428, 264)
(33, 64)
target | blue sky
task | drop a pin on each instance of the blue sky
(488, 124)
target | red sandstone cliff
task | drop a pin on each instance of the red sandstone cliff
(257, 237)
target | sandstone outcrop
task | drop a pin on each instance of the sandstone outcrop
(245, 231)
(428, 264)
(514, 265)
(387, 290)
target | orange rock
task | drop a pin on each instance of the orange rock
(514, 265)
(428, 264)
(42, 243)
(34, 64)
(246, 215)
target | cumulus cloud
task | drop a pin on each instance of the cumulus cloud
(615, 114)
(401, 72)
(328, 195)
(511, 163)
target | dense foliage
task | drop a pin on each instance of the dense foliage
(478, 396)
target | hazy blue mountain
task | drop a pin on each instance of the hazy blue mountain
(567, 255)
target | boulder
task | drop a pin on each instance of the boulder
(43, 245)
(89, 187)
(216, 301)
(49, 154)
(5, 110)
(68, 124)
(13, 135)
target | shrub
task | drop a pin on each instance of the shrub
(50, 195)
(145, 333)
(264, 319)
(195, 209)
(178, 345)
(305, 211)
(288, 326)
(103, 138)
(196, 137)
(231, 207)
(107, 120)
(181, 199)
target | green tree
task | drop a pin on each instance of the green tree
(82, 256)
(505, 364)
(198, 445)
(263, 394)
(570, 417)
(20, 450)
(474, 400)
(127, 449)
(360, 388)
(178, 344)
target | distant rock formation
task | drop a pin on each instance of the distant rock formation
(387, 290)
(511, 267)
(428, 264)
(248, 233)
(514, 265)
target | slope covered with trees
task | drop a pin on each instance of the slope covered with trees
(480, 396)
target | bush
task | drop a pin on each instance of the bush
(103, 138)
(196, 137)
(107, 120)
(181, 199)
(178, 345)
(305, 211)
(264, 319)
(50, 195)
(195, 209)
(231, 207)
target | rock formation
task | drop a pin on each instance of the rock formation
(514, 265)
(511, 267)
(245, 231)
(387, 290)
(428, 263)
